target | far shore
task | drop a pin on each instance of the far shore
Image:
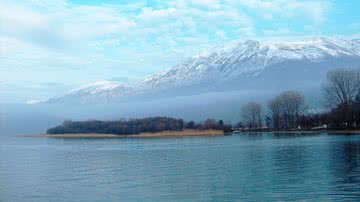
(305, 131)
(183, 133)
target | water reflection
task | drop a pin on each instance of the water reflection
(250, 167)
(290, 159)
(294, 134)
(344, 166)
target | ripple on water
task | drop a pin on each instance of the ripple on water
(261, 167)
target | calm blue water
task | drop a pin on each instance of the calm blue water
(245, 168)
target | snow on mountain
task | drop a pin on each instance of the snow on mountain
(249, 57)
(106, 88)
(101, 91)
(34, 101)
(269, 62)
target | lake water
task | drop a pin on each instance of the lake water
(243, 167)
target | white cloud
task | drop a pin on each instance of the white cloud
(207, 3)
(150, 14)
(60, 38)
(314, 10)
(277, 32)
(93, 21)
(25, 24)
(18, 17)
(74, 25)
(221, 34)
(64, 26)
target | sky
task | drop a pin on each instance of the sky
(50, 47)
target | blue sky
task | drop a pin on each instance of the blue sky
(50, 47)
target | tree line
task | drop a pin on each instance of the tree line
(136, 126)
(285, 111)
(288, 111)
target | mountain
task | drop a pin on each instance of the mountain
(242, 66)
(98, 92)
(251, 59)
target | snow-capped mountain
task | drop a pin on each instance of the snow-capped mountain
(237, 60)
(98, 92)
(238, 66)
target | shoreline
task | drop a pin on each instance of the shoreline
(308, 131)
(184, 133)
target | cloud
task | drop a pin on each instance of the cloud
(207, 3)
(25, 24)
(18, 17)
(150, 14)
(63, 42)
(65, 25)
(121, 79)
(278, 32)
(314, 10)
(221, 34)
(69, 26)
(93, 21)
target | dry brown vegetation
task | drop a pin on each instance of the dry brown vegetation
(141, 135)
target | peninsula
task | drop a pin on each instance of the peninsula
(136, 128)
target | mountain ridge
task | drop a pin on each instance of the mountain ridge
(239, 63)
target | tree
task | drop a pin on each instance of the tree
(190, 125)
(251, 115)
(341, 89)
(221, 123)
(275, 108)
(67, 123)
(292, 107)
(268, 121)
(136, 126)
(357, 109)
(210, 124)
(286, 109)
(239, 125)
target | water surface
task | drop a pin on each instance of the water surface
(246, 167)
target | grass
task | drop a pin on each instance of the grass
(141, 135)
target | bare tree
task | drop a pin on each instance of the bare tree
(286, 109)
(251, 115)
(357, 109)
(292, 107)
(210, 124)
(341, 87)
(275, 107)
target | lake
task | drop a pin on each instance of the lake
(261, 167)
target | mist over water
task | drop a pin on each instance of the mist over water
(32, 119)
(246, 167)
